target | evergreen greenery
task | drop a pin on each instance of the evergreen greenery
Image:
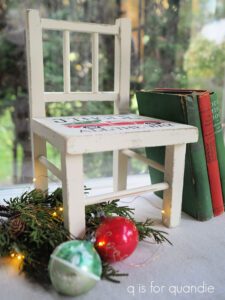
(32, 226)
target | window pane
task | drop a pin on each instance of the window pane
(174, 44)
(53, 60)
(80, 62)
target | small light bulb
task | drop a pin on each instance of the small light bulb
(61, 209)
(19, 257)
(54, 214)
(12, 255)
(101, 243)
(163, 211)
(34, 179)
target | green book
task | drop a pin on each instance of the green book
(181, 107)
(220, 148)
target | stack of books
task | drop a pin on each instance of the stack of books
(204, 177)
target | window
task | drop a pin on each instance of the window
(175, 44)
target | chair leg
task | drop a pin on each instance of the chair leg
(120, 163)
(174, 175)
(73, 194)
(39, 170)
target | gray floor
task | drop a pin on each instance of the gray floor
(193, 268)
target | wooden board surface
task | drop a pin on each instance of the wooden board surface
(84, 137)
(102, 124)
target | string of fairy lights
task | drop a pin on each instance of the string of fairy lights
(19, 257)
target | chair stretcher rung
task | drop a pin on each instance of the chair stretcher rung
(125, 193)
(50, 166)
(145, 160)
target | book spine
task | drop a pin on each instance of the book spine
(197, 163)
(220, 148)
(210, 153)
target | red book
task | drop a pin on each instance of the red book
(210, 152)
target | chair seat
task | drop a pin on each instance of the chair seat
(86, 134)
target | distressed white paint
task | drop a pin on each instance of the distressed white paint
(81, 96)
(74, 143)
(36, 90)
(73, 193)
(52, 168)
(122, 84)
(35, 64)
(125, 193)
(174, 175)
(120, 165)
(117, 78)
(124, 53)
(66, 61)
(95, 61)
(40, 174)
(79, 27)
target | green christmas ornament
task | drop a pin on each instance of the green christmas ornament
(75, 267)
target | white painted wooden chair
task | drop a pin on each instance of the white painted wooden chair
(73, 137)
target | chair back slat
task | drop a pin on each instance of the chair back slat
(124, 65)
(95, 61)
(66, 61)
(122, 37)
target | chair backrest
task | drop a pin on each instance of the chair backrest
(122, 36)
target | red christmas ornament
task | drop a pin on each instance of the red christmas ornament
(116, 238)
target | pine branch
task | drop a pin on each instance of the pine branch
(145, 230)
(41, 229)
(109, 273)
(4, 214)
